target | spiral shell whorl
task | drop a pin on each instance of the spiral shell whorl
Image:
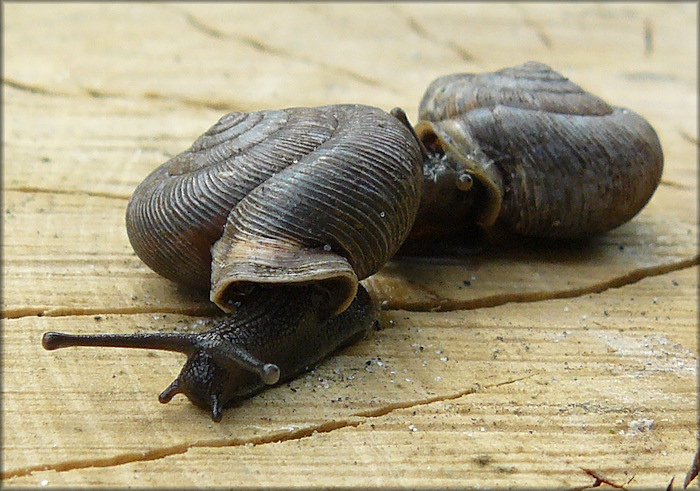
(296, 195)
(178, 212)
(589, 177)
(336, 216)
(531, 85)
(568, 165)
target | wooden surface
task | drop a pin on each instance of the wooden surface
(519, 366)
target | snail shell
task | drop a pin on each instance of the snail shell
(547, 158)
(323, 195)
(279, 214)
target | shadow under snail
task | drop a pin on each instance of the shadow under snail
(280, 214)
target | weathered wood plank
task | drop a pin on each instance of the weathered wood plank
(602, 381)
(528, 376)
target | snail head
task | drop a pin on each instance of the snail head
(458, 185)
(217, 372)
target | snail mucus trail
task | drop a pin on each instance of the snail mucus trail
(281, 213)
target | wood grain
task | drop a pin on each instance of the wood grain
(521, 365)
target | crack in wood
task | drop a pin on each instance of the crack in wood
(536, 28)
(675, 184)
(218, 105)
(203, 28)
(269, 49)
(688, 137)
(600, 480)
(430, 305)
(73, 192)
(423, 33)
(383, 411)
(96, 93)
(352, 421)
(22, 312)
(184, 100)
(648, 37)
(159, 453)
(448, 305)
(32, 89)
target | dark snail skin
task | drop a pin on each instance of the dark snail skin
(279, 214)
(546, 158)
(225, 364)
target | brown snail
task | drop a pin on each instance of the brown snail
(536, 154)
(281, 213)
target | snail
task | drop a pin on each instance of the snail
(280, 214)
(524, 151)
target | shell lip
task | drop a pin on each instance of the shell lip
(465, 157)
(239, 265)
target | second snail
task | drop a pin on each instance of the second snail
(280, 214)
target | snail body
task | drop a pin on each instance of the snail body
(280, 214)
(547, 159)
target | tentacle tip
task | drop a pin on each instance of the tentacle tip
(399, 114)
(270, 374)
(465, 181)
(51, 340)
(167, 395)
(216, 412)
